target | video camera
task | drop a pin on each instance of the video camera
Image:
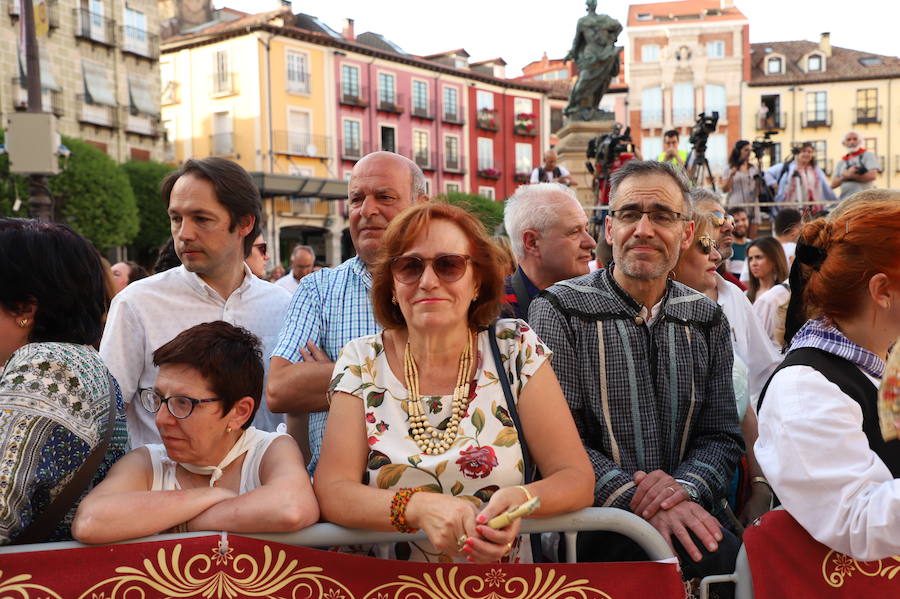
(701, 130)
(761, 146)
(606, 148)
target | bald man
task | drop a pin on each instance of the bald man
(331, 306)
(550, 172)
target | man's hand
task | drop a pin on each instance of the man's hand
(313, 354)
(655, 491)
(684, 518)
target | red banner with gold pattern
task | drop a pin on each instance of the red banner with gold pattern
(787, 562)
(197, 567)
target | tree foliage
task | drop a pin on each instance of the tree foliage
(145, 179)
(486, 210)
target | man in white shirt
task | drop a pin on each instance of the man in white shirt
(303, 259)
(215, 210)
(550, 172)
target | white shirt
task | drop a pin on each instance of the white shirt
(151, 312)
(815, 455)
(288, 282)
(767, 306)
(750, 342)
(538, 172)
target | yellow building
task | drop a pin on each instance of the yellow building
(807, 91)
(250, 89)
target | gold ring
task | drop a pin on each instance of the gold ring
(508, 548)
(461, 542)
(671, 489)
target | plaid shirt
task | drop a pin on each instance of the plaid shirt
(329, 308)
(820, 335)
(644, 398)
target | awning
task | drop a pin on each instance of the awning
(140, 96)
(297, 186)
(47, 79)
(97, 84)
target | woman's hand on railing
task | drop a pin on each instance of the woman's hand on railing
(448, 521)
(490, 545)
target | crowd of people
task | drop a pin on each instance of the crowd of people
(436, 380)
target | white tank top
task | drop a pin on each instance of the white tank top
(164, 478)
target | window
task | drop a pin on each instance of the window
(683, 104)
(136, 32)
(649, 53)
(299, 128)
(769, 113)
(522, 106)
(816, 108)
(485, 153)
(387, 91)
(867, 106)
(814, 63)
(452, 187)
(222, 74)
(715, 100)
(651, 107)
(715, 49)
(141, 99)
(773, 66)
(223, 134)
(821, 147)
(297, 72)
(97, 87)
(871, 144)
(452, 160)
(420, 98)
(486, 192)
(451, 104)
(523, 159)
(388, 139)
(717, 152)
(651, 147)
(96, 29)
(352, 139)
(350, 82)
(421, 149)
(484, 100)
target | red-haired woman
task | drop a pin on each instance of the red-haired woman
(820, 444)
(420, 433)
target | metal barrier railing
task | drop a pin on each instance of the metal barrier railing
(329, 535)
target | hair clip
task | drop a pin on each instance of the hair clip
(811, 255)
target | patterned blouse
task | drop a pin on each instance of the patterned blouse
(486, 455)
(53, 412)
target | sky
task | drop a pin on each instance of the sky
(521, 31)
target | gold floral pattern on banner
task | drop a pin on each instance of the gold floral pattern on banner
(447, 584)
(18, 586)
(837, 567)
(219, 575)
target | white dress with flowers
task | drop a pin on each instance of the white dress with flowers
(486, 455)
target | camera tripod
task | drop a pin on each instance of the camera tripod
(699, 167)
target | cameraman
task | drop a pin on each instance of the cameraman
(857, 170)
(739, 181)
(671, 153)
(550, 172)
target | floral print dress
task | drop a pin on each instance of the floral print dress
(486, 454)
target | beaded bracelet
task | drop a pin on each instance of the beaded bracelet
(398, 509)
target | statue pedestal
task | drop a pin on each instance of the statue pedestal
(571, 149)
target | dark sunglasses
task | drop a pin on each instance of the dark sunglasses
(263, 247)
(706, 244)
(447, 267)
(719, 218)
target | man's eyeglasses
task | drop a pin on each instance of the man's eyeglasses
(720, 218)
(448, 267)
(179, 406)
(661, 218)
(262, 247)
(707, 244)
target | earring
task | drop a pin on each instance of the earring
(393, 300)
(475, 297)
(23, 323)
(227, 429)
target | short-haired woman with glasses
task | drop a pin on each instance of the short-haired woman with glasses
(213, 471)
(419, 433)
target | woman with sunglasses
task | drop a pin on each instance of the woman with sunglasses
(696, 268)
(419, 432)
(213, 471)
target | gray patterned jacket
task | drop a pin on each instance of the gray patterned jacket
(644, 398)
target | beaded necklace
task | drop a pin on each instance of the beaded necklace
(431, 440)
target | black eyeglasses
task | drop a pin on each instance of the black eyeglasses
(719, 218)
(448, 267)
(707, 244)
(662, 218)
(263, 247)
(179, 406)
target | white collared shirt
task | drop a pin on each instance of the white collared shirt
(288, 282)
(151, 312)
(749, 339)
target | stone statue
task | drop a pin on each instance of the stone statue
(595, 54)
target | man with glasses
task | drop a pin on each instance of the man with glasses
(332, 306)
(857, 170)
(645, 364)
(214, 209)
(303, 259)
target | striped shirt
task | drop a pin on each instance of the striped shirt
(329, 308)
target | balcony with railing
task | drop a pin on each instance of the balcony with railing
(487, 119)
(771, 120)
(96, 114)
(170, 93)
(355, 96)
(139, 42)
(222, 144)
(817, 118)
(651, 118)
(298, 83)
(525, 123)
(303, 207)
(296, 143)
(391, 103)
(146, 125)
(51, 100)
(423, 111)
(683, 117)
(867, 115)
(94, 27)
(352, 150)
(455, 163)
(426, 160)
(223, 83)
(454, 117)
